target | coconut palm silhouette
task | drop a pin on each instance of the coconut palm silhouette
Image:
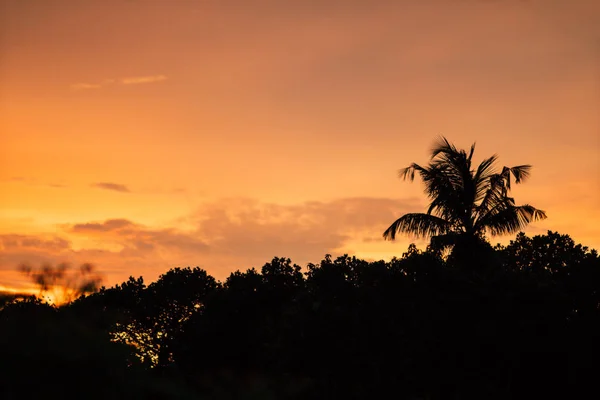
(465, 203)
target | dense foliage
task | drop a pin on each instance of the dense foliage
(523, 324)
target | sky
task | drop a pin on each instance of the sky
(142, 135)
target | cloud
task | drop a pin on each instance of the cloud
(117, 187)
(304, 232)
(9, 242)
(133, 80)
(33, 182)
(20, 179)
(118, 248)
(225, 235)
(106, 226)
(143, 79)
(138, 241)
(85, 86)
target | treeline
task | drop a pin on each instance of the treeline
(520, 321)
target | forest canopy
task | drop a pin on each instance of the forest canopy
(522, 323)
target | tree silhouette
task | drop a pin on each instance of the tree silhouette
(60, 284)
(465, 203)
(343, 328)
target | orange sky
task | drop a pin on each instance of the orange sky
(141, 135)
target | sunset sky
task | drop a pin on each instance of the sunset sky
(142, 135)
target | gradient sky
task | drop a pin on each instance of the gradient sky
(142, 135)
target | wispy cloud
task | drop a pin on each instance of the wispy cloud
(143, 79)
(106, 226)
(33, 182)
(54, 243)
(117, 187)
(18, 179)
(131, 80)
(85, 86)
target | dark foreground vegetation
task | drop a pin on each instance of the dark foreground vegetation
(520, 321)
(514, 322)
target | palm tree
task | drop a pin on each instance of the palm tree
(465, 203)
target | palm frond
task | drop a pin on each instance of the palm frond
(511, 219)
(418, 224)
(409, 172)
(484, 172)
(521, 173)
(471, 152)
(495, 192)
(449, 205)
(451, 187)
(443, 146)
